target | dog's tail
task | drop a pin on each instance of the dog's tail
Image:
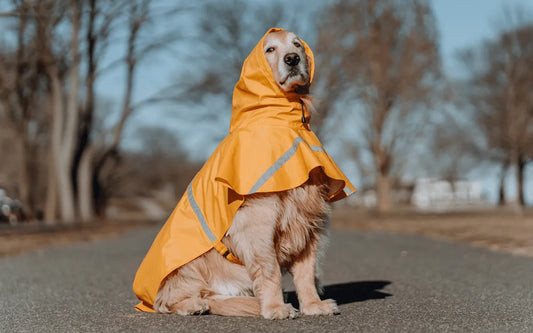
(235, 306)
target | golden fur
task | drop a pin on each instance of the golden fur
(286, 229)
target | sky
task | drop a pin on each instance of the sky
(461, 24)
(464, 23)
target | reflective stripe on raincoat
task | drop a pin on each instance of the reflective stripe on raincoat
(268, 149)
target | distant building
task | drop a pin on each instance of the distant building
(427, 194)
(437, 194)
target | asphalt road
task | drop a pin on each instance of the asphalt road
(383, 283)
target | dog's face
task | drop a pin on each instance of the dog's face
(285, 54)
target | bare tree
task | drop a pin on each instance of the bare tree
(223, 35)
(385, 55)
(170, 169)
(99, 24)
(500, 80)
(454, 149)
(138, 16)
(56, 40)
(63, 103)
(163, 154)
(8, 167)
(21, 97)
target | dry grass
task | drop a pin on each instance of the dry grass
(26, 238)
(493, 229)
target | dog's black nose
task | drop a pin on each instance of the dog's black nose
(291, 59)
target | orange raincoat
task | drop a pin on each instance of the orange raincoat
(269, 149)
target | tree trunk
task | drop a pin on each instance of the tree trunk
(85, 184)
(62, 165)
(50, 205)
(90, 163)
(24, 194)
(383, 193)
(85, 153)
(382, 163)
(50, 210)
(501, 192)
(65, 190)
(520, 177)
(65, 122)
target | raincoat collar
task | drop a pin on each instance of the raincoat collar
(257, 98)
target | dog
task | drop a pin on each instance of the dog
(270, 232)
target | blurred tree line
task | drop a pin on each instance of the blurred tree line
(379, 84)
(50, 63)
(498, 95)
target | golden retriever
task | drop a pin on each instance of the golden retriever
(269, 232)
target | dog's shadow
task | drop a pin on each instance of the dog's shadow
(349, 292)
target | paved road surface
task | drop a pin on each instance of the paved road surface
(383, 283)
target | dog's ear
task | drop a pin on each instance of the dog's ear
(309, 66)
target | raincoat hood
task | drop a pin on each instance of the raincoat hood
(269, 149)
(258, 99)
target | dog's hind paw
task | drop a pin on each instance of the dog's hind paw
(190, 306)
(282, 311)
(321, 308)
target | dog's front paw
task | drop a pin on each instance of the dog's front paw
(321, 308)
(281, 311)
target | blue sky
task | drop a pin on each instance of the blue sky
(463, 23)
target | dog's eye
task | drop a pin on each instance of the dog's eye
(297, 44)
(270, 49)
